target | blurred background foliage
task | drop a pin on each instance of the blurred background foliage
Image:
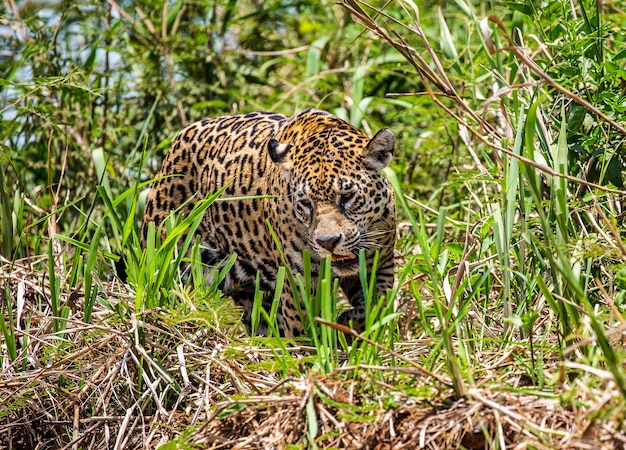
(84, 78)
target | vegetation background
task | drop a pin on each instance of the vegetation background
(511, 275)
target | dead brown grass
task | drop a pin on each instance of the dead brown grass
(80, 389)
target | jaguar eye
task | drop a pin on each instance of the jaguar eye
(345, 199)
(306, 205)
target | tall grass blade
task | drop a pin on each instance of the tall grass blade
(7, 324)
(90, 267)
(6, 217)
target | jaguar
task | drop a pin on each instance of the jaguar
(312, 178)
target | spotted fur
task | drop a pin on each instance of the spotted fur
(315, 178)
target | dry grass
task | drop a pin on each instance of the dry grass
(79, 389)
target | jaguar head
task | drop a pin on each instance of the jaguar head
(336, 188)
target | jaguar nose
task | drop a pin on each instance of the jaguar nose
(329, 242)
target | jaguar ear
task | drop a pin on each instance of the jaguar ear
(280, 154)
(379, 150)
(277, 151)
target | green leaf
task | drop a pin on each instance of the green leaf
(173, 14)
(447, 43)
